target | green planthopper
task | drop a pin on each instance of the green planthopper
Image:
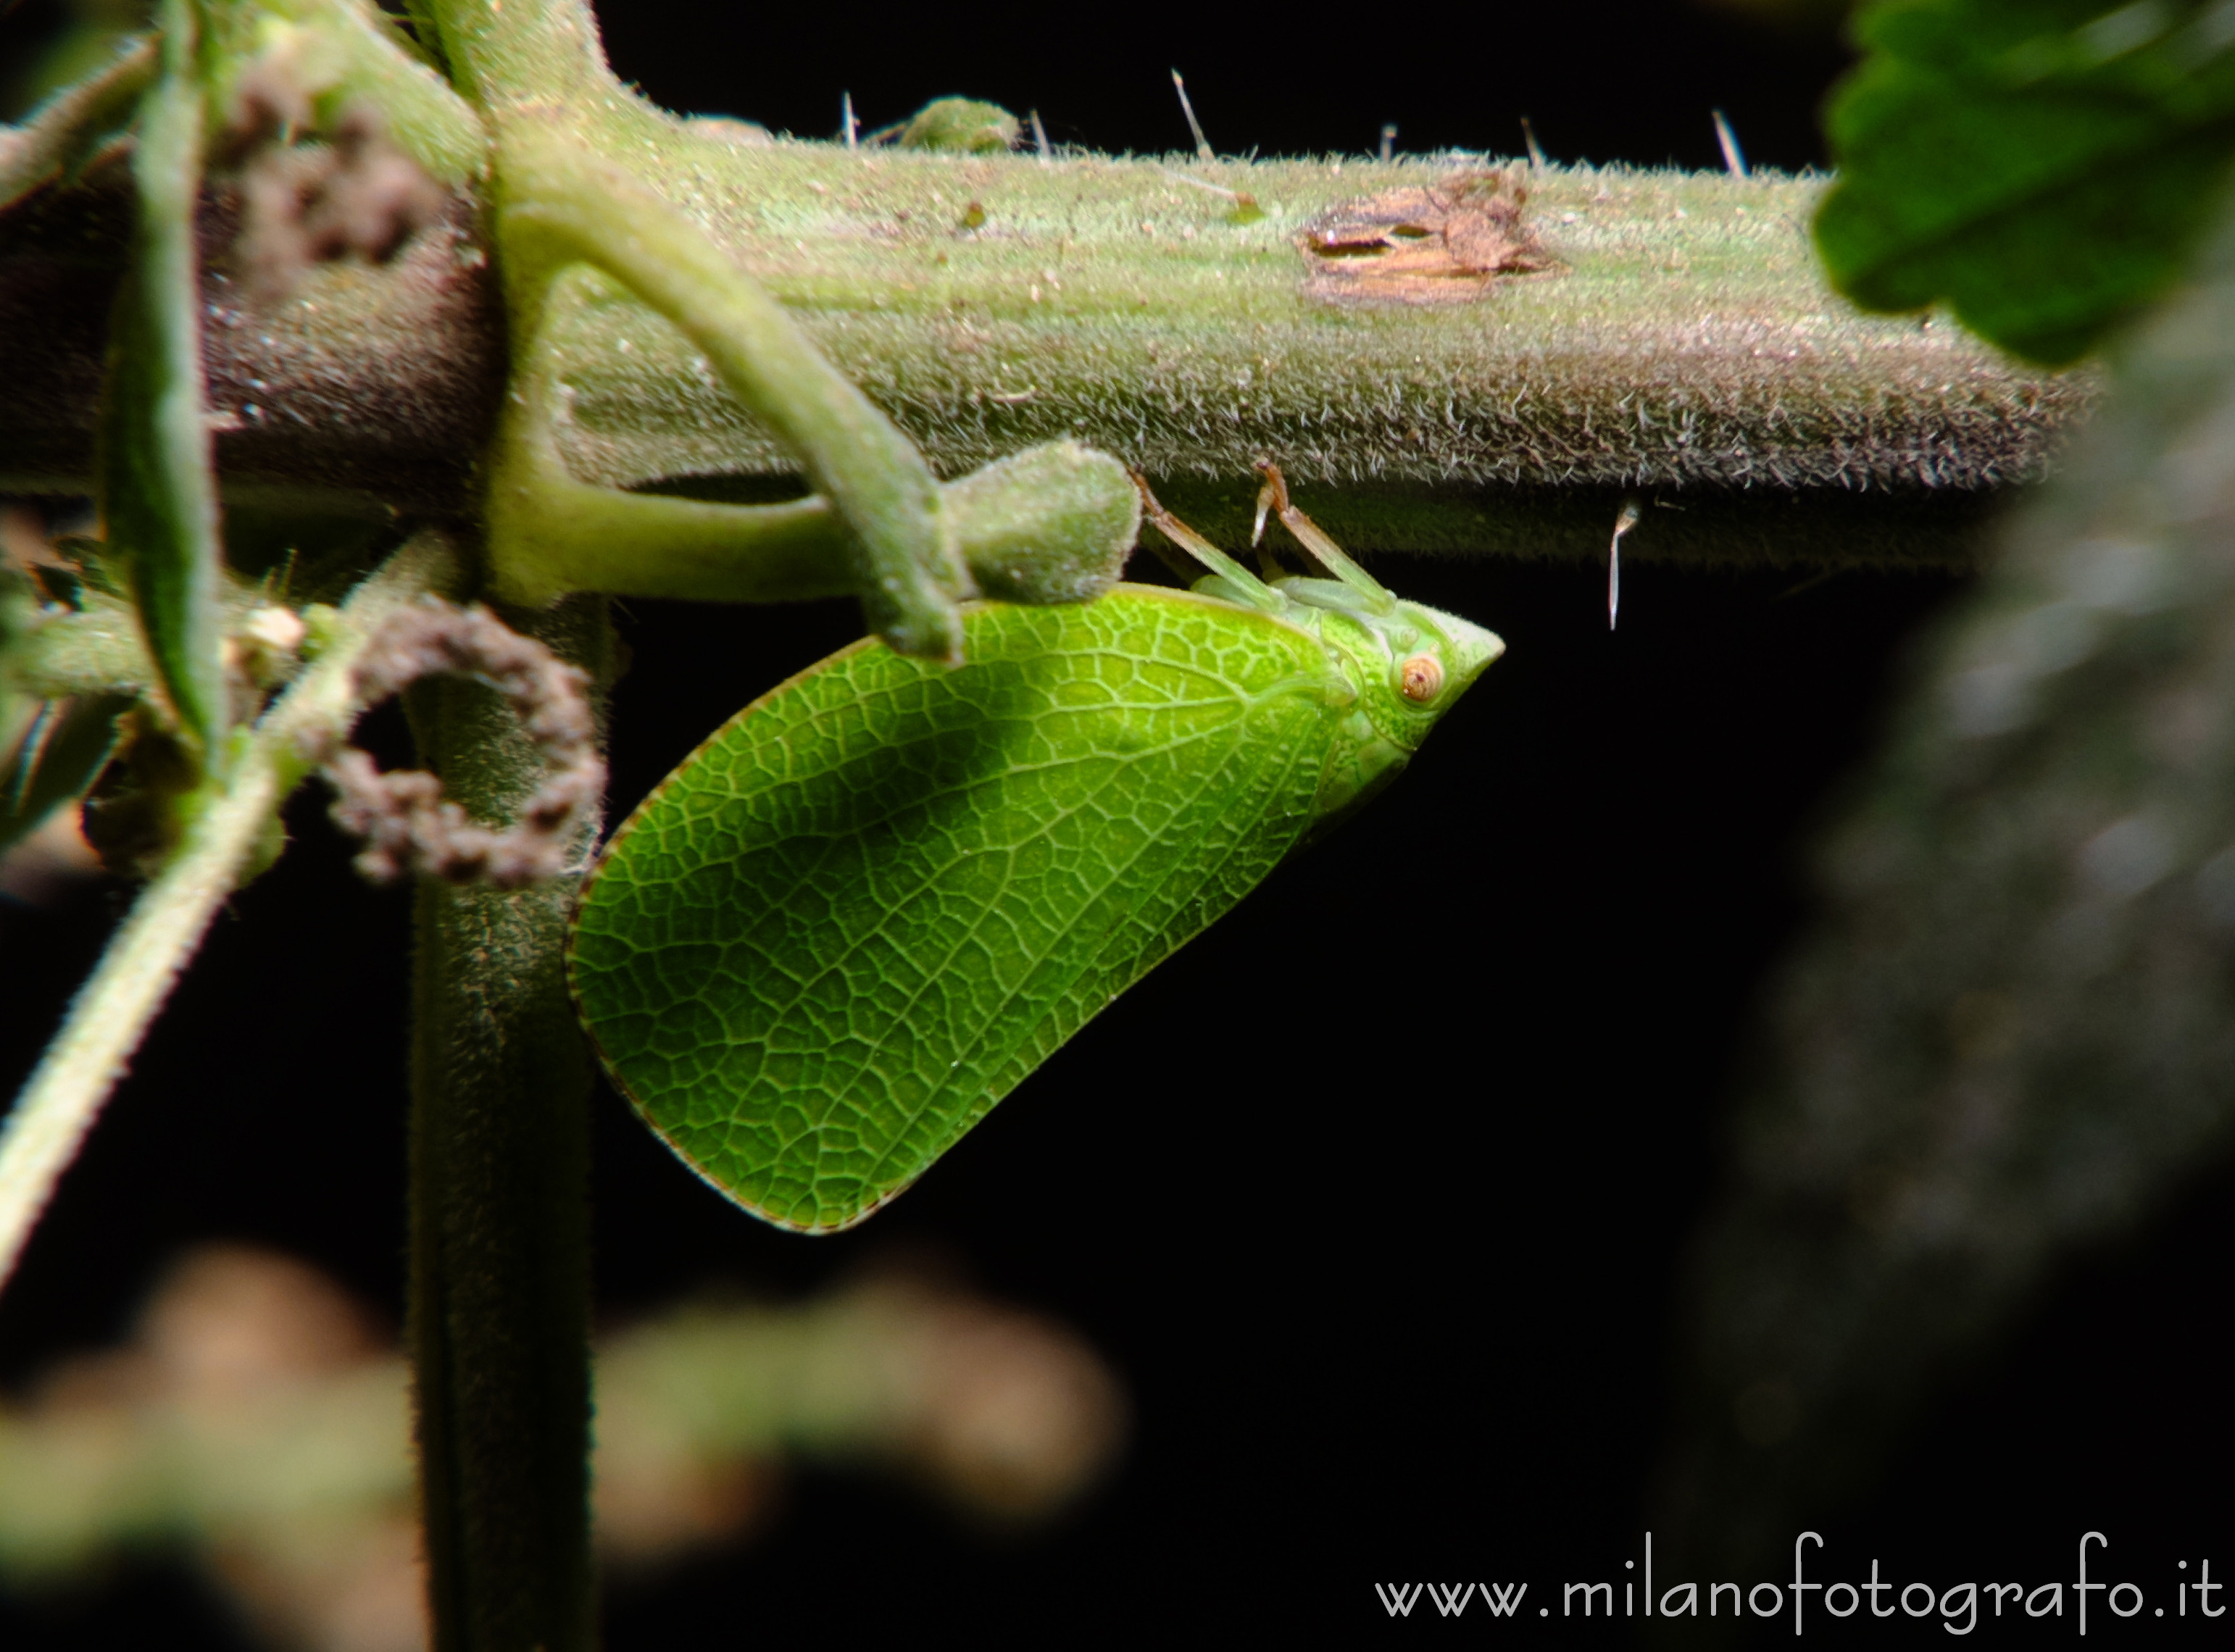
(885, 892)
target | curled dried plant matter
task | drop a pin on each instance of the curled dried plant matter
(1441, 244)
(406, 825)
(357, 196)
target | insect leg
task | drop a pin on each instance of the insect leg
(1273, 497)
(1178, 566)
(1249, 588)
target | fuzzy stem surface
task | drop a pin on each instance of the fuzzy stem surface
(499, 1307)
(1686, 348)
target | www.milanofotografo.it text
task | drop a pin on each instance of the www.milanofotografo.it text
(1960, 1607)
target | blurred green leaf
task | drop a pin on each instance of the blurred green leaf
(66, 130)
(68, 745)
(158, 495)
(2011, 1036)
(2046, 166)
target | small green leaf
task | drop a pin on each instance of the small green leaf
(52, 749)
(61, 754)
(2044, 166)
(158, 497)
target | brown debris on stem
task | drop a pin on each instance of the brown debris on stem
(406, 825)
(1441, 243)
(356, 196)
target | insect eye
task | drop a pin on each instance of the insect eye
(1421, 677)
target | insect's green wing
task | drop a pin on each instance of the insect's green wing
(882, 893)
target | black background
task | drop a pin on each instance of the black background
(1375, 1195)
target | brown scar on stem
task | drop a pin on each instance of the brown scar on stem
(1442, 243)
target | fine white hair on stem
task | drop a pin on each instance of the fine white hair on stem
(1202, 149)
(1622, 524)
(1733, 157)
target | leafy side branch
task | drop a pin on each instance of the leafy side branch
(226, 829)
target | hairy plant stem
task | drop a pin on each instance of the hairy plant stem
(499, 1309)
(1689, 348)
(498, 1314)
(228, 823)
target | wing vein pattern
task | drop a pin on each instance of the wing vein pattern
(881, 895)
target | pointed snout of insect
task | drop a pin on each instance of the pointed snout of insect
(1469, 650)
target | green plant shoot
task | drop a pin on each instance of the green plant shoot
(882, 893)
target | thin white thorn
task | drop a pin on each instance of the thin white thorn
(1388, 141)
(1039, 139)
(1202, 149)
(1733, 157)
(1186, 177)
(1535, 154)
(852, 129)
(1622, 524)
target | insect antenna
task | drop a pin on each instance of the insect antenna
(1253, 589)
(1273, 497)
